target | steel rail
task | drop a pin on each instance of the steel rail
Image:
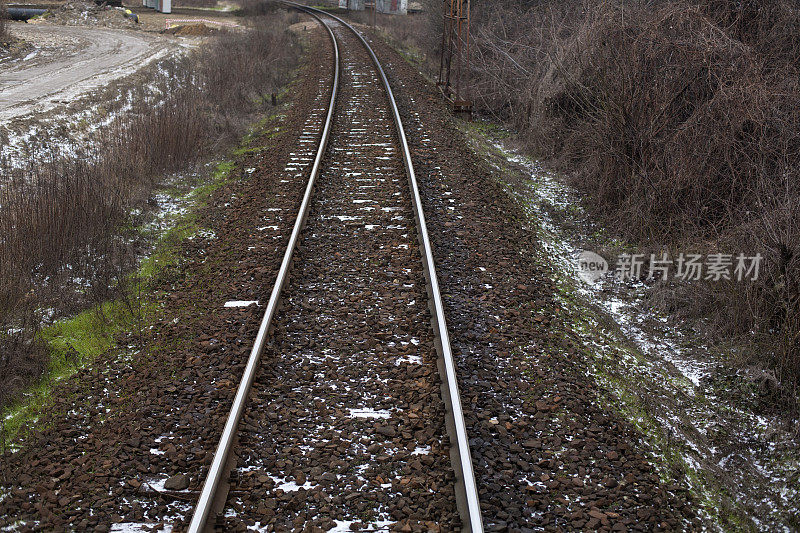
(466, 489)
(218, 466)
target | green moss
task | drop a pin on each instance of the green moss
(79, 340)
(488, 129)
(73, 343)
(248, 150)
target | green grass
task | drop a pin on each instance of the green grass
(84, 337)
(73, 343)
(78, 341)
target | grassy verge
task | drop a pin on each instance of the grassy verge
(68, 237)
(78, 341)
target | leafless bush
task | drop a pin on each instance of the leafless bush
(249, 68)
(678, 119)
(62, 242)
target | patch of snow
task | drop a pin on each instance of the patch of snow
(241, 303)
(343, 526)
(367, 412)
(135, 527)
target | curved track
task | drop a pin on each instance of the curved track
(338, 417)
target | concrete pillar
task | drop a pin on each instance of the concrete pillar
(392, 7)
(165, 6)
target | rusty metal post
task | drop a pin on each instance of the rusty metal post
(455, 46)
(441, 50)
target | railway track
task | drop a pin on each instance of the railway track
(341, 418)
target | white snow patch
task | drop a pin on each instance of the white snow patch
(241, 303)
(135, 527)
(413, 359)
(343, 526)
(367, 412)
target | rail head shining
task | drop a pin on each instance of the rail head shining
(470, 510)
(217, 472)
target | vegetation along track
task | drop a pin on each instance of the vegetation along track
(125, 445)
(341, 399)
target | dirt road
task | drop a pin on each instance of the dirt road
(68, 61)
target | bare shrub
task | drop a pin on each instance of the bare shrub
(248, 68)
(637, 104)
(678, 120)
(62, 243)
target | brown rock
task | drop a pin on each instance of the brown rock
(387, 431)
(177, 482)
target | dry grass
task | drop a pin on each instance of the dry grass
(678, 119)
(62, 219)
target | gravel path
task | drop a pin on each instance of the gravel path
(68, 61)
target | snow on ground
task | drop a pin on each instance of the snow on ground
(664, 377)
(54, 100)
